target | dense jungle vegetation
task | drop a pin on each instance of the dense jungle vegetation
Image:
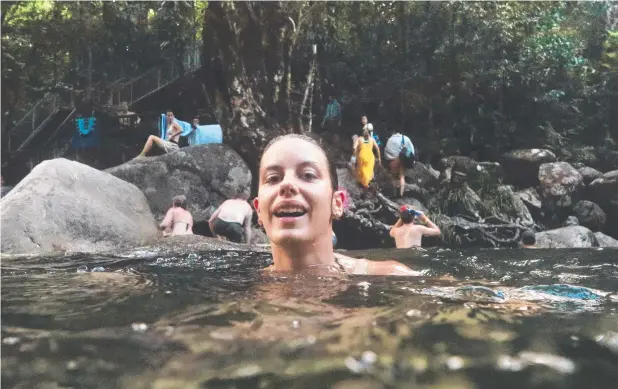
(470, 78)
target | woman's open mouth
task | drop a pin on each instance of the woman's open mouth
(289, 214)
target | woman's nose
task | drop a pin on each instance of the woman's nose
(287, 187)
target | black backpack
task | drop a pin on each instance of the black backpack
(406, 156)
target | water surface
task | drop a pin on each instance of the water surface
(476, 319)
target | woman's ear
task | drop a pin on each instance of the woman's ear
(337, 204)
(256, 205)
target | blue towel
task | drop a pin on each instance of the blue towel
(210, 133)
(86, 134)
(566, 290)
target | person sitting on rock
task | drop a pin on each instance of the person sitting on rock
(298, 199)
(365, 159)
(398, 158)
(168, 145)
(232, 220)
(528, 240)
(408, 234)
(178, 221)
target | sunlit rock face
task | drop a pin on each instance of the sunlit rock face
(64, 205)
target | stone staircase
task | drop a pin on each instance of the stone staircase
(120, 95)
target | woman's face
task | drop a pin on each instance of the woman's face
(364, 120)
(295, 200)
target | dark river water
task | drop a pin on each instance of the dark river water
(476, 319)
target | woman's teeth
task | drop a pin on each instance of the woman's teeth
(290, 212)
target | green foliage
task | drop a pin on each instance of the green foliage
(474, 77)
(53, 46)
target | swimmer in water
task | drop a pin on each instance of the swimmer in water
(296, 204)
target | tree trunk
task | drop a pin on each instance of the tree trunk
(248, 87)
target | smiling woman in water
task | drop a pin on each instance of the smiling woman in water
(297, 202)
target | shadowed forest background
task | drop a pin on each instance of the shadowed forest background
(467, 78)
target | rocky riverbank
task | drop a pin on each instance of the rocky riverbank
(65, 206)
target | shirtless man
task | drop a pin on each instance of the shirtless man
(178, 221)
(171, 143)
(406, 233)
(232, 220)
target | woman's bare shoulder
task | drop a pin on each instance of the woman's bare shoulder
(374, 268)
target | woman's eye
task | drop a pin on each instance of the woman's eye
(271, 179)
(309, 176)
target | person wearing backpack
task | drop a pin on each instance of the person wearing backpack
(400, 154)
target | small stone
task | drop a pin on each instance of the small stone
(139, 327)
(363, 285)
(82, 269)
(295, 324)
(10, 340)
(454, 363)
(369, 358)
(414, 313)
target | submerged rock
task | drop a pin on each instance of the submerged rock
(68, 206)
(566, 237)
(207, 175)
(521, 167)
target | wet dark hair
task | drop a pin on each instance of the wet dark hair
(528, 238)
(169, 111)
(332, 172)
(242, 196)
(179, 201)
(407, 216)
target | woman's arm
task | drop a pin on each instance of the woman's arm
(377, 148)
(167, 221)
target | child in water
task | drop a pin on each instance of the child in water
(298, 199)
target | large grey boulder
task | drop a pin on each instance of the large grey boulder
(64, 205)
(566, 237)
(590, 215)
(207, 175)
(422, 175)
(531, 198)
(604, 191)
(460, 169)
(521, 167)
(560, 184)
(589, 174)
(606, 240)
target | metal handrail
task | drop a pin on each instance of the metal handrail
(30, 111)
(117, 93)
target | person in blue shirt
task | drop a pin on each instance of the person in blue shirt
(332, 117)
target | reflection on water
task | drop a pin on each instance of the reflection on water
(483, 318)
